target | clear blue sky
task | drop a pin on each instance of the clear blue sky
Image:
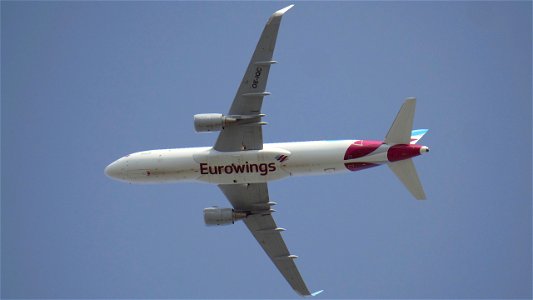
(85, 83)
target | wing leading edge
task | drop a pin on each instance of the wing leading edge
(248, 135)
(249, 98)
(253, 198)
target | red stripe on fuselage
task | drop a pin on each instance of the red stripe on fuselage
(401, 152)
(359, 166)
(361, 148)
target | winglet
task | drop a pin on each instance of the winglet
(276, 17)
(282, 11)
(316, 293)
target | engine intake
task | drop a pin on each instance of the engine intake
(211, 122)
(221, 216)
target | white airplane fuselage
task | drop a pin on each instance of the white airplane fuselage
(275, 161)
(242, 173)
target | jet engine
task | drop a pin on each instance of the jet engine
(221, 216)
(211, 122)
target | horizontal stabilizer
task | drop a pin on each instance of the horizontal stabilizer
(400, 131)
(406, 172)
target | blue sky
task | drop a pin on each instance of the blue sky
(85, 83)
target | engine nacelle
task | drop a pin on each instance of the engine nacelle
(211, 122)
(221, 216)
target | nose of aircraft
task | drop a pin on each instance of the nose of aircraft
(113, 170)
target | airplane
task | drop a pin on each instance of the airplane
(242, 165)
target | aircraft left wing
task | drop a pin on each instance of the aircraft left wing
(247, 134)
(253, 198)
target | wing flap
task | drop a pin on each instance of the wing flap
(249, 97)
(272, 243)
(250, 197)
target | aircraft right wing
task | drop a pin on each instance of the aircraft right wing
(254, 198)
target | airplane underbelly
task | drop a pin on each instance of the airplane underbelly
(316, 169)
(253, 166)
(160, 166)
(330, 157)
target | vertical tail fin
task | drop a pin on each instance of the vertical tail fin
(416, 135)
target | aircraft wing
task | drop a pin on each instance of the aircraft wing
(254, 198)
(247, 134)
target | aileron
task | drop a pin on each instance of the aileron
(241, 165)
(249, 97)
(245, 197)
